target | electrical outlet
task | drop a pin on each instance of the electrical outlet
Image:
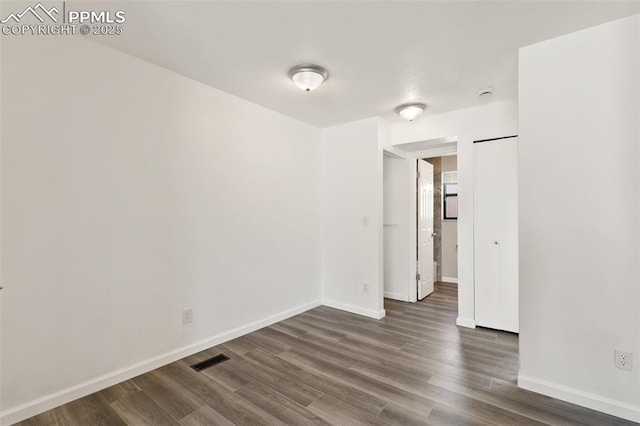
(187, 316)
(624, 360)
(365, 220)
(365, 287)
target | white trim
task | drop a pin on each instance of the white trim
(434, 148)
(466, 322)
(412, 220)
(40, 405)
(396, 296)
(390, 151)
(449, 280)
(371, 313)
(393, 152)
(584, 399)
(442, 151)
(417, 147)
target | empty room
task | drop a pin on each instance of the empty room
(319, 212)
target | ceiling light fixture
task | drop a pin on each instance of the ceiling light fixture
(308, 77)
(411, 111)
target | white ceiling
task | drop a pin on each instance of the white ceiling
(379, 54)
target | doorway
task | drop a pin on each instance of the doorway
(400, 219)
(445, 220)
(426, 234)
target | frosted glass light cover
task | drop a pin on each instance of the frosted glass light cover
(411, 112)
(307, 80)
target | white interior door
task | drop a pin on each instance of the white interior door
(495, 234)
(425, 229)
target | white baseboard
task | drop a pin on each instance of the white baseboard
(578, 397)
(466, 322)
(396, 296)
(450, 280)
(371, 313)
(32, 408)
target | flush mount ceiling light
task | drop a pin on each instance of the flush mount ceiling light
(411, 111)
(308, 77)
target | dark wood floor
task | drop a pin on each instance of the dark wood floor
(330, 367)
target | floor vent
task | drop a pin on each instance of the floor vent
(202, 365)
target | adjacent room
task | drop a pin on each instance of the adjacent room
(346, 213)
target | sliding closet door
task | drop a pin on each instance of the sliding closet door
(495, 234)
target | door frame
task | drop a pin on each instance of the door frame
(424, 272)
(413, 208)
(411, 152)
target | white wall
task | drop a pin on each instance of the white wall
(398, 269)
(1, 276)
(466, 125)
(449, 232)
(352, 216)
(579, 216)
(128, 193)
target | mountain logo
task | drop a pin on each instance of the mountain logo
(38, 11)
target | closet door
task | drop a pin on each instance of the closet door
(508, 233)
(495, 234)
(485, 234)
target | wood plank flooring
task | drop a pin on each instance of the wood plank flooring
(414, 367)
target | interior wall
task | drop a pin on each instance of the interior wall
(466, 125)
(352, 215)
(449, 231)
(579, 273)
(397, 229)
(1, 275)
(129, 193)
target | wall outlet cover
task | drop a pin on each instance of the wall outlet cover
(624, 360)
(187, 315)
